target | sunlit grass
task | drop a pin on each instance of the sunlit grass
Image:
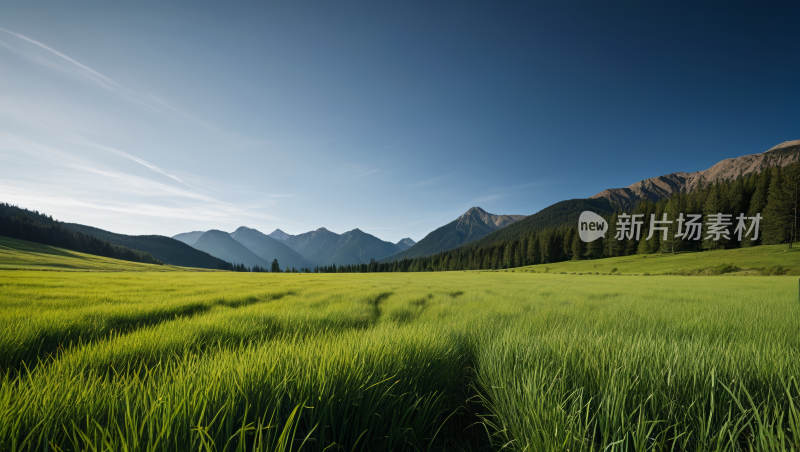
(748, 260)
(403, 361)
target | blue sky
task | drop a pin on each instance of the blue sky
(391, 117)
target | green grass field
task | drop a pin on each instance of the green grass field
(173, 361)
(21, 255)
(750, 261)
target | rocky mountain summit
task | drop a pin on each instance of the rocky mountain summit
(662, 186)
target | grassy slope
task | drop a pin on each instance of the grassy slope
(745, 258)
(379, 361)
(165, 249)
(562, 362)
(21, 255)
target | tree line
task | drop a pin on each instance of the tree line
(772, 193)
(32, 226)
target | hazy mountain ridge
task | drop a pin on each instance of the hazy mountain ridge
(659, 187)
(279, 235)
(474, 224)
(405, 243)
(189, 237)
(323, 247)
(222, 245)
(313, 244)
(269, 248)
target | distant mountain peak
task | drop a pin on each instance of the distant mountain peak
(491, 220)
(280, 235)
(784, 145)
(405, 243)
(472, 225)
(659, 187)
(322, 230)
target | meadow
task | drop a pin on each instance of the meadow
(759, 260)
(137, 360)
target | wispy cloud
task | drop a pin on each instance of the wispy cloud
(139, 161)
(428, 182)
(73, 68)
(66, 184)
(186, 115)
(70, 66)
(396, 144)
(385, 229)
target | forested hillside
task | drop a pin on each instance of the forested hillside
(559, 214)
(660, 187)
(166, 249)
(472, 225)
(772, 193)
(32, 226)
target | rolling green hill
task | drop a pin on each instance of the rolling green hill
(166, 249)
(564, 213)
(32, 226)
(759, 260)
(18, 254)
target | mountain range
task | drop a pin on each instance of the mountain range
(606, 202)
(321, 247)
(663, 186)
(472, 225)
(216, 249)
(244, 246)
(478, 227)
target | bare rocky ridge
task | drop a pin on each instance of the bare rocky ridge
(493, 221)
(472, 225)
(663, 186)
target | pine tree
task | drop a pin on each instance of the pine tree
(508, 255)
(276, 267)
(594, 250)
(578, 248)
(712, 206)
(568, 245)
(612, 244)
(674, 208)
(534, 256)
(777, 218)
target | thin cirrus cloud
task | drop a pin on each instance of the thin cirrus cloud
(429, 182)
(51, 166)
(67, 65)
(141, 162)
